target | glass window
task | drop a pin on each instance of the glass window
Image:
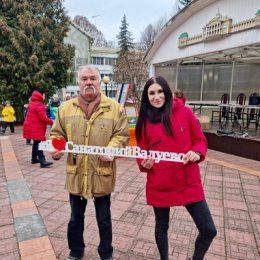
(189, 81)
(97, 60)
(216, 80)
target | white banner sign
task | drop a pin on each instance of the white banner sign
(129, 151)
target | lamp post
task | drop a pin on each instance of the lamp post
(106, 80)
(111, 85)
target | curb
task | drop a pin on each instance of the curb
(31, 234)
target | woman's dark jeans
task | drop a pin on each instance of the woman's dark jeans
(201, 215)
(76, 225)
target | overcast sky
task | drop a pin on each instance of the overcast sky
(108, 14)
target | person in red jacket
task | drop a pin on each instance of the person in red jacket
(35, 125)
(179, 94)
(164, 124)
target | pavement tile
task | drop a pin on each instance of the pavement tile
(145, 233)
(36, 247)
(7, 231)
(5, 201)
(11, 256)
(231, 185)
(235, 205)
(12, 176)
(122, 243)
(18, 191)
(8, 245)
(29, 227)
(6, 216)
(144, 248)
(23, 208)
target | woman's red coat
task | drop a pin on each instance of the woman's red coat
(36, 120)
(173, 183)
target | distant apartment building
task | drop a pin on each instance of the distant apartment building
(104, 59)
(82, 43)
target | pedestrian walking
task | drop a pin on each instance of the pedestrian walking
(35, 125)
(28, 141)
(8, 117)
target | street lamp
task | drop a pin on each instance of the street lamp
(106, 80)
(111, 85)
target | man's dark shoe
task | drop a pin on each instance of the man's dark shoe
(75, 257)
(110, 258)
(45, 164)
(33, 161)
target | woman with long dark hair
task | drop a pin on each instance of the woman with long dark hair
(166, 125)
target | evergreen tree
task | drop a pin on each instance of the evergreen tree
(32, 52)
(125, 40)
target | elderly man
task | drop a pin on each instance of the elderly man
(54, 106)
(90, 119)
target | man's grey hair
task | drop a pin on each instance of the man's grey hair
(89, 67)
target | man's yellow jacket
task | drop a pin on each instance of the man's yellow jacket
(87, 175)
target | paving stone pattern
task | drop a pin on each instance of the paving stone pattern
(34, 210)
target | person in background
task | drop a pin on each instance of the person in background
(96, 120)
(54, 105)
(179, 94)
(67, 97)
(166, 125)
(47, 109)
(1, 108)
(28, 141)
(34, 127)
(8, 117)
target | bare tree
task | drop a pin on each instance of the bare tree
(111, 44)
(147, 37)
(149, 33)
(130, 68)
(98, 37)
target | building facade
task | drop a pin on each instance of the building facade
(82, 44)
(104, 59)
(208, 48)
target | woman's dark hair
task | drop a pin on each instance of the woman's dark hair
(155, 115)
